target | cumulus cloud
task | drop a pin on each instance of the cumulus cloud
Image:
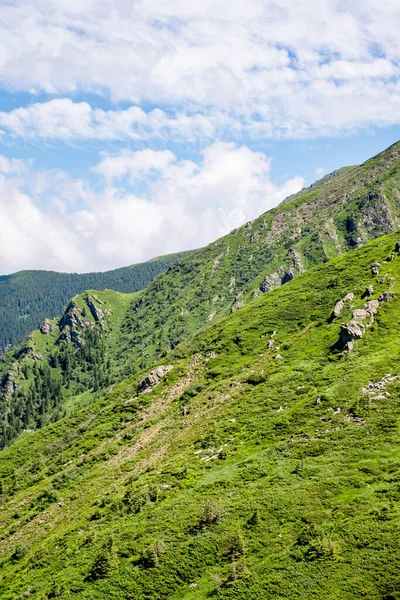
(264, 69)
(60, 223)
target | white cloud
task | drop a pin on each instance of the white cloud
(11, 165)
(62, 224)
(301, 68)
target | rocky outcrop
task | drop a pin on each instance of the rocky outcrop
(376, 390)
(369, 290)
(97, 313)
(152, 379)
(375, 269)
(362, 319)
(296, 260)
(46, 327)
(349, 332)
(376, 214)
(72, 324)
(237, 304)
(10, 383)
(337, 311)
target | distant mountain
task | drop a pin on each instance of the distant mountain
(27, 297)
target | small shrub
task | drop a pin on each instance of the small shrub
(152, 556)
(256, 378)
(19, 552)
(212, 513)
(103, 563)
(254, 519)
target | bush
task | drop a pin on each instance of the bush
(212, 513)
(103, 563)
(151, 557)
(19, 552)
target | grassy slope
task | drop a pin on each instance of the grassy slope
(253, 491)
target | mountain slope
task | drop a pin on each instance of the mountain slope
(265, 464)
(27, 297)
(339, 213)
(357, 205)
(63, 364)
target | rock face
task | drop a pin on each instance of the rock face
(337, 311)
(46, 327)
(72, 323)
(152, 379)
(97, 313)
(9, 383)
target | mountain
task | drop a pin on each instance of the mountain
(27, 297)
(46, 374)
(258, 459)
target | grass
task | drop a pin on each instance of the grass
(253, 491)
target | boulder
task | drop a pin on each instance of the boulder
(337, 311)
(46, 327)
(386, 297)
(375, 268)
(369, 291)
(349, 332)
(152, 379)
(371, 307)
(360, 313)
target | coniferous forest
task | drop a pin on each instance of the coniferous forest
(27, 297)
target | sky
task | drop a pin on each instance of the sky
(131, 129)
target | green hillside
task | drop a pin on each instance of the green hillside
(341, 212)
(27, 297)
(63, 364)
(264, 464)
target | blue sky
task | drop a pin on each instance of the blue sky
(132, 129)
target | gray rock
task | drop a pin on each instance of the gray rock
(349, 332)
(372, 307)
(152, 379)
(375, 268)
(97, 313)
(386, 297)
(337, 311)
(360, 313)
(46, 327)
(369, 291)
